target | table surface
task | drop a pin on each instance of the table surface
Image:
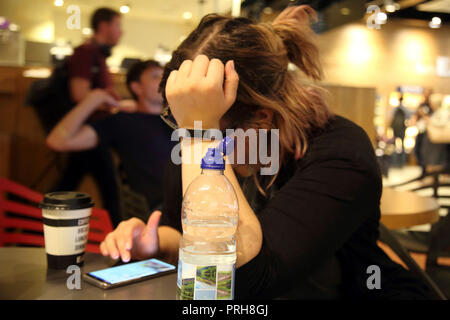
(24, 275)
(405, 209)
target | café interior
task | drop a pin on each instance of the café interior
(381, 59)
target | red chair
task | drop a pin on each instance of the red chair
(29, 218)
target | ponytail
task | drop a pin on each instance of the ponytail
(301, 50)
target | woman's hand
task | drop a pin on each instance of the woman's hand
(197, 91)
(133, 239)
(301, 14)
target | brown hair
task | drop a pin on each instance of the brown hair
(135, 72)
(102, 15)
(261, 53)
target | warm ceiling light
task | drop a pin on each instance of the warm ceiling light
(435, 23)
(86, 31)
(436, 20)
(390, 7)
(124, 9)
(381, 17)
(58, 3)
(187, 15)
(14, 27)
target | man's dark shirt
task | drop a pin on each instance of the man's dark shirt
(319, 224)
(143, 144)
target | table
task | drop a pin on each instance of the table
(24, 275)
(405, 209)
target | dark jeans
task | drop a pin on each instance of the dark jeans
(99, 163)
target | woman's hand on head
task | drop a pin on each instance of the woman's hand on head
(197, 91)
(133, 239)
(302, 14)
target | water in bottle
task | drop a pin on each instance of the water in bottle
(207, 254)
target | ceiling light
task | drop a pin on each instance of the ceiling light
(187, 15)
(381, 18)
(436, 20)
(125, 8)
(13, 27)
(58, 3)
(390, 7)
(435, 23)
(86, 31)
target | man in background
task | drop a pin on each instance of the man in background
(87, 70)
(141, 138)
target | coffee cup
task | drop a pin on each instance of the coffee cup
(66, 227)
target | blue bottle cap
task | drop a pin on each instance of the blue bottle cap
(214, 156)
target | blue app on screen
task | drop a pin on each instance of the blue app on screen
(132, 271)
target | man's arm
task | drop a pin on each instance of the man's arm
(71, 134)
(79, 88)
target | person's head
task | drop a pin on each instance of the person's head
(269, 96)
(143, 80)
(106, 24)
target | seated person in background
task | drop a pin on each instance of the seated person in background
(140, 137)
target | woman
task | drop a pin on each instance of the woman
(309, 231)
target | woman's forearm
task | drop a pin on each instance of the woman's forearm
(249, 233)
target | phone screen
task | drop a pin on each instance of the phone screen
(131, 271)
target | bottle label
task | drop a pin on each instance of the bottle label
(200, 282)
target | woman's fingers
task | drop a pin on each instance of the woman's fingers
(184, 70)
(103, 249)
(199, 67)
(215, 72)
(125, 243)
(231, 83)
(111, 246)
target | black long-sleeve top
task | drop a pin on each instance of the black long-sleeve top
(319, 223)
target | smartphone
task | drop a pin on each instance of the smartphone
(128, 273)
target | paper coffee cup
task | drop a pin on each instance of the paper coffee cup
(66, 227)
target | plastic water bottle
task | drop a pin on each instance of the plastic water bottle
(207, 254)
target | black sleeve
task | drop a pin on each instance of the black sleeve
(172, 196)
(306, 222)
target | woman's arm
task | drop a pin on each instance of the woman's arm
(70, 134)
(203, 90)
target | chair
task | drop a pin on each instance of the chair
(21, 219)
(436, 242)
(388, 238)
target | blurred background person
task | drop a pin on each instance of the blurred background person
(87, 70)
(434, 149)
(140, 137)
(419, 119)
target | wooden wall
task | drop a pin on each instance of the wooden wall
(354, 103)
